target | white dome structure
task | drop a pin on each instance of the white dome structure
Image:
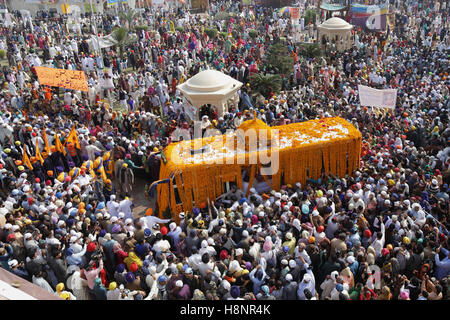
(336, 24)
(338, 31)
(210, 87)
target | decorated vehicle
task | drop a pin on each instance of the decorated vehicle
(255, 155)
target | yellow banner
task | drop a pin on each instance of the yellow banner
(69, 79)
(73, 138)
(26, 160)
(65, 8)
(59, 146)
(46, 145)
(38, 153)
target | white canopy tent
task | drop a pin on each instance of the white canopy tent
(74, 10)
(103, 42)
(338, 30)
(210, 87)
(25, 13)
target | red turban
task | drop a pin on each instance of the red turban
(133, 267)
(91, 247)
(223, 255)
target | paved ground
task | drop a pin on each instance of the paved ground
(138, 198)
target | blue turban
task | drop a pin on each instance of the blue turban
(235, 291)
(140, 250)
(115, 229)
(195, 211)
(259, 274)
(265, 289)
(130, 277)
(120, 268)
(305, 208)
(70, 222)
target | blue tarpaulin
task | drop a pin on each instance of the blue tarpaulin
(332, 7)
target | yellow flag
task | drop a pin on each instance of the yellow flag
(72, 137)
(38, 153)
(26, 161)
(46, 146)
(59, 146)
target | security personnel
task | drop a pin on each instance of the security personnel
(108, 163)
(37, 168)
(89, 167)
(73, 153)
(74, 173)
(108, 189)
(99, 169)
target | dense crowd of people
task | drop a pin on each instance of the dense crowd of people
(69, 161)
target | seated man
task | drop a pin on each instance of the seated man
(231, 196)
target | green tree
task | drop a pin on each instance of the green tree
(264, 84)
(128, 16)
(310, 16)
(278, 57)
(253, 34)
(222, 15)
(123, 39)
(310, 50)
(140, 28)
(211, 32)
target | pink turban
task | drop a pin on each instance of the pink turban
(267, 246)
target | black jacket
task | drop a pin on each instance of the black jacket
(59, 267)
